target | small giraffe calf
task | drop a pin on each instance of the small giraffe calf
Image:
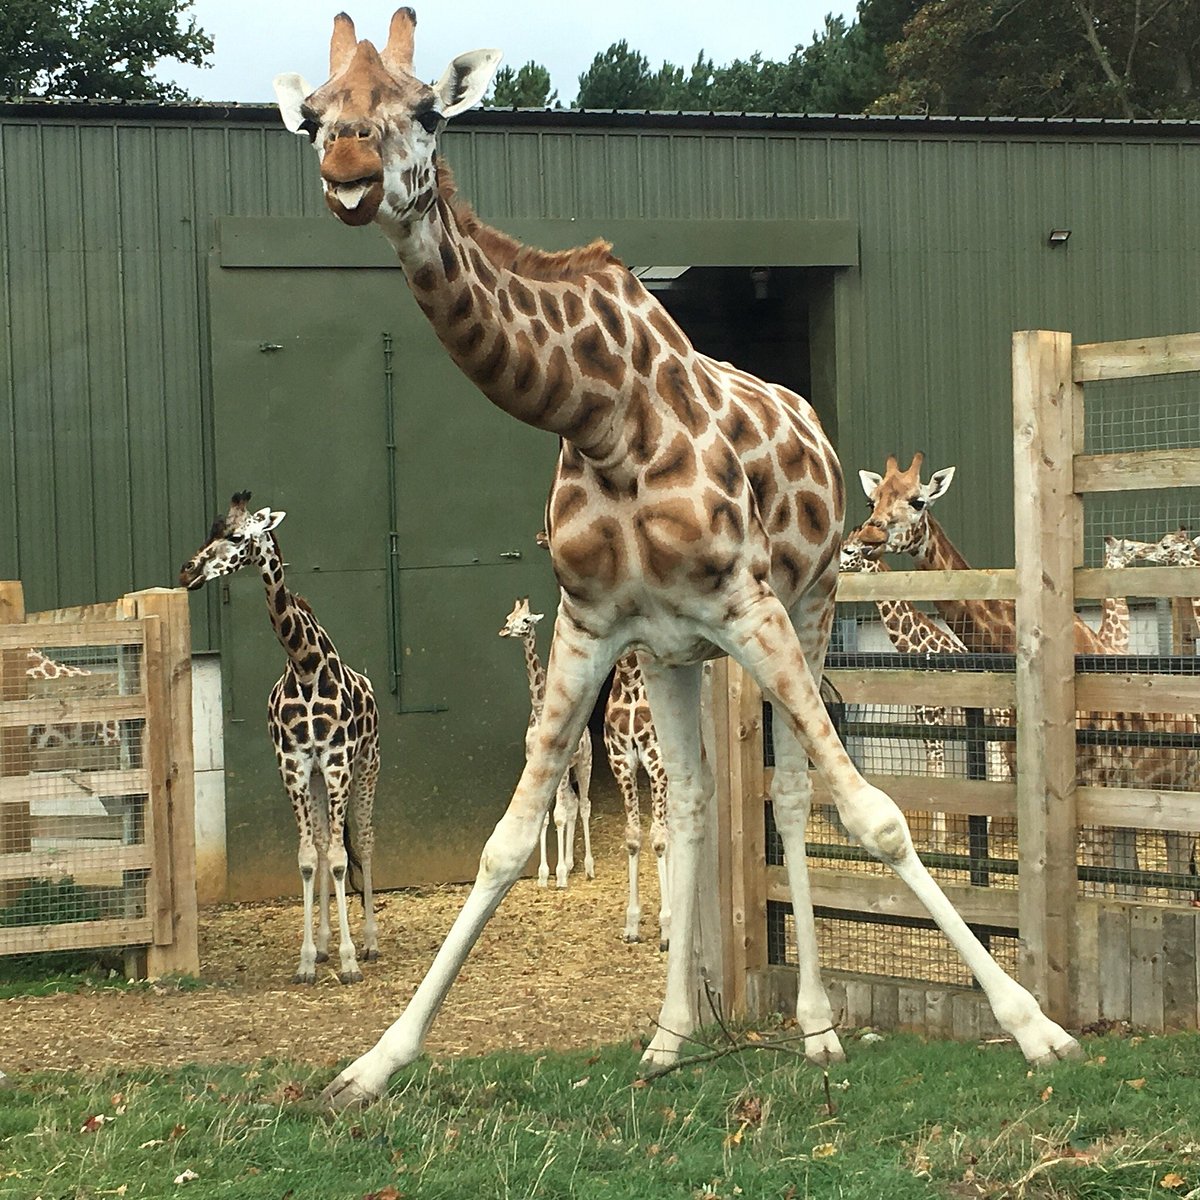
(630, 740)
(570, 803)
(325, 728)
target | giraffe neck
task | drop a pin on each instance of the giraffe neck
(537, 677)
(38, 666)
(544, 337)
(907, 627)
(1114, 624)
(305, 643)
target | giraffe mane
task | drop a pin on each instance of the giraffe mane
(505, 252)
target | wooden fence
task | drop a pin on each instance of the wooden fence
(1088, 956)
(97, 842)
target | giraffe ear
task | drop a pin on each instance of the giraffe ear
(273, 518)
(290, 91)
(870, 481)
(465, 80)
(939, 483)
(536, 617)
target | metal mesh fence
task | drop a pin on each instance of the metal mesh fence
(73, 796)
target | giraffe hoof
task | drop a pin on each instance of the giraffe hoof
(369, 954)
(305, 977)
(664, 944)
(322, 956)
(354, 976)
(631, 938)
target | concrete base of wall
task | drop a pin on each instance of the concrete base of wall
(208, 736)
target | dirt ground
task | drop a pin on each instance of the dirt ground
(550, 971)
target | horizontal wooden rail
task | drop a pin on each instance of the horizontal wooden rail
(57, 635)
(954, 689)
(1138, 808)
(72, 785)
(928, 585)
(82, 860)
(75, 935)
(885, 895)
(1095, 583)
(1137, 357)
(1137, 470)
(16, 713)
(110, 610)
(921, 793)
(1138, 693)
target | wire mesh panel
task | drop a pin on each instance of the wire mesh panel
(75, 817)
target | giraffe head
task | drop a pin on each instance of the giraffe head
(520, 623)
(1178, 549)
(857, 557)
(235, 540)
(1120, 552)
(375, 124)
(899, 501)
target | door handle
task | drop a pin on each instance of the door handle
(510, 554)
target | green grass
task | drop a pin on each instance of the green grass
(912, 1120)
(75, 971)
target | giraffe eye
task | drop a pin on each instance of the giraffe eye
(429, 120)
(237, 537)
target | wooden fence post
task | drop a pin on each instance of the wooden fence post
(181, 955)
(16, 821)
(1047, 408)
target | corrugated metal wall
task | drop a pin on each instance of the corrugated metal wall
(104, 395)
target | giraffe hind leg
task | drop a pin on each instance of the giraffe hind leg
(624, 773)
(365, 779)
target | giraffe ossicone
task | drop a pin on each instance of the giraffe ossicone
(324, 726)
(695, 511)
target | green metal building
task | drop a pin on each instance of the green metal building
(180, 319)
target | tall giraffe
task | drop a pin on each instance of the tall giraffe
(325, 729)
(695, 511)
(1177, 549)
(912, 632)
(630, 741)
(1113, 630)
(570, 803)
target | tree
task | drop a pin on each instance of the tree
(527, 88)
(88, 49)
(1064, 58)
(617, 78)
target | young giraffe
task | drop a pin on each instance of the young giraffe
(900, 522)
(695, 511)
(1113, 630)
(630, 741)
(1177, 549)
(570, 802)
(325, 729)
(105, 735)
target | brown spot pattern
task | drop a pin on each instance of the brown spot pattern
(523, 298)
(572, 307)
(672, 385)
(552, 311)
(669, 331)
(663, 532)
(644, 423)
(641, 352)
(596, 360)
(675, 466)
(610, 318)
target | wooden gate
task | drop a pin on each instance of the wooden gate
(97, 841)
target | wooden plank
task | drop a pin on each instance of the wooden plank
(1046, 517)
(1085, 979)
(964, 1016)
(1137, 470)
(75, 935)
(159, 899)
(1095, 583)
(999, 584)
(105, 611)
(20, 714)
(1146, 968)
(886, 895)
(734, 997)
(739, 806)
(72, 785)
(1181, 989)
(1139, 808)
(1114, 962)
(910, 1008)
(858, 1003)
(749, 733)
(711, 928)
(32, 864)
(75, 633)
(15, 829)
(939, 1019)
(963, 797)
(1138, 693)
(957, 689)
(171, 606)
(1137, 357)
(885, 1005)
(835, 989)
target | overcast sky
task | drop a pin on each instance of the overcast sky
(256, 40)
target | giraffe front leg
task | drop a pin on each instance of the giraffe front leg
(338, 784)
(566, 808)
(583, 778)
(577, 667)
(543, 877)
(763, 640)
(323, 929)
(296, 775)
